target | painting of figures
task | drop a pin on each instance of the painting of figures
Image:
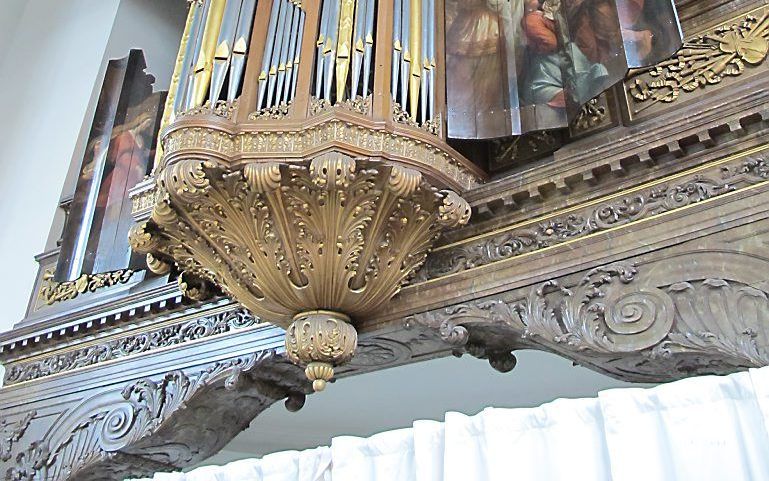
(515, 66)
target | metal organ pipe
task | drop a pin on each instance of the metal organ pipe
(345, 50)
(277, 80)
(197, 12)
(240, 48)
(397, 46)
(205, 59)
(224, 47)
(369, 45)
(216, 55)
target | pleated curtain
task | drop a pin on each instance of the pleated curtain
(706, 428)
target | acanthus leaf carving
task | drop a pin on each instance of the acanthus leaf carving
(590, 317)
(719, 316)
(652, 201)
(131, 432)
(11, 432)
(706, 59)
(615, 323)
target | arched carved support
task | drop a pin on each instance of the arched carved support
(698, 312)
(154, 424)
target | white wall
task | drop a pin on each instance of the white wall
(54, 57)
(46, 80)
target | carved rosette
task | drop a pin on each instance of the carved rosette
(336, 233)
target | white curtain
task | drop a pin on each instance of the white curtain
(706, 428)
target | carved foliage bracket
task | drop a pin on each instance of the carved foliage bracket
(157, 425)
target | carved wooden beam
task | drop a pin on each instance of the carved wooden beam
(152, 424)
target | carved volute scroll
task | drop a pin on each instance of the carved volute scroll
(696, 312)
(153, 424)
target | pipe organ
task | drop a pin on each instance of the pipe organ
(280, 59)
(222, 37)
(306, 170)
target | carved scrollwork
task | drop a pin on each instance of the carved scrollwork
(304, 142)
(378, 353)
(11, 432)
(275, 112)
(140, 429)
(590, 115)
(321, 340)
(321, 336)
(655, 200)
(640, 329)
(359, 105)
(52, 292)
(707, 59)
(221, 108)
(400, 115)
(719, 316)
(590, 317)
(130, 345)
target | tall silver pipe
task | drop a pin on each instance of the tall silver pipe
(320, 61)
(407, 55)
(397, 47)
(297, 53)
(272, 75)
(267, 55)
(291, 53)
(189, 57)
(284, 52)
(330, 49)
(357, 45)
(189, 97)
(369, 45)
(224, 45)
(240, 48)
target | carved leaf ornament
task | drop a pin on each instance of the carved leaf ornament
(338, 235)
(704, 60)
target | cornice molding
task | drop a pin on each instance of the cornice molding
(131, 343)
(643, 202)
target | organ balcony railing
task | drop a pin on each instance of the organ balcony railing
(304, 167)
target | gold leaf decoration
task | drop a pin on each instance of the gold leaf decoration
(52, 292)
(707, 59)
(336, 234)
